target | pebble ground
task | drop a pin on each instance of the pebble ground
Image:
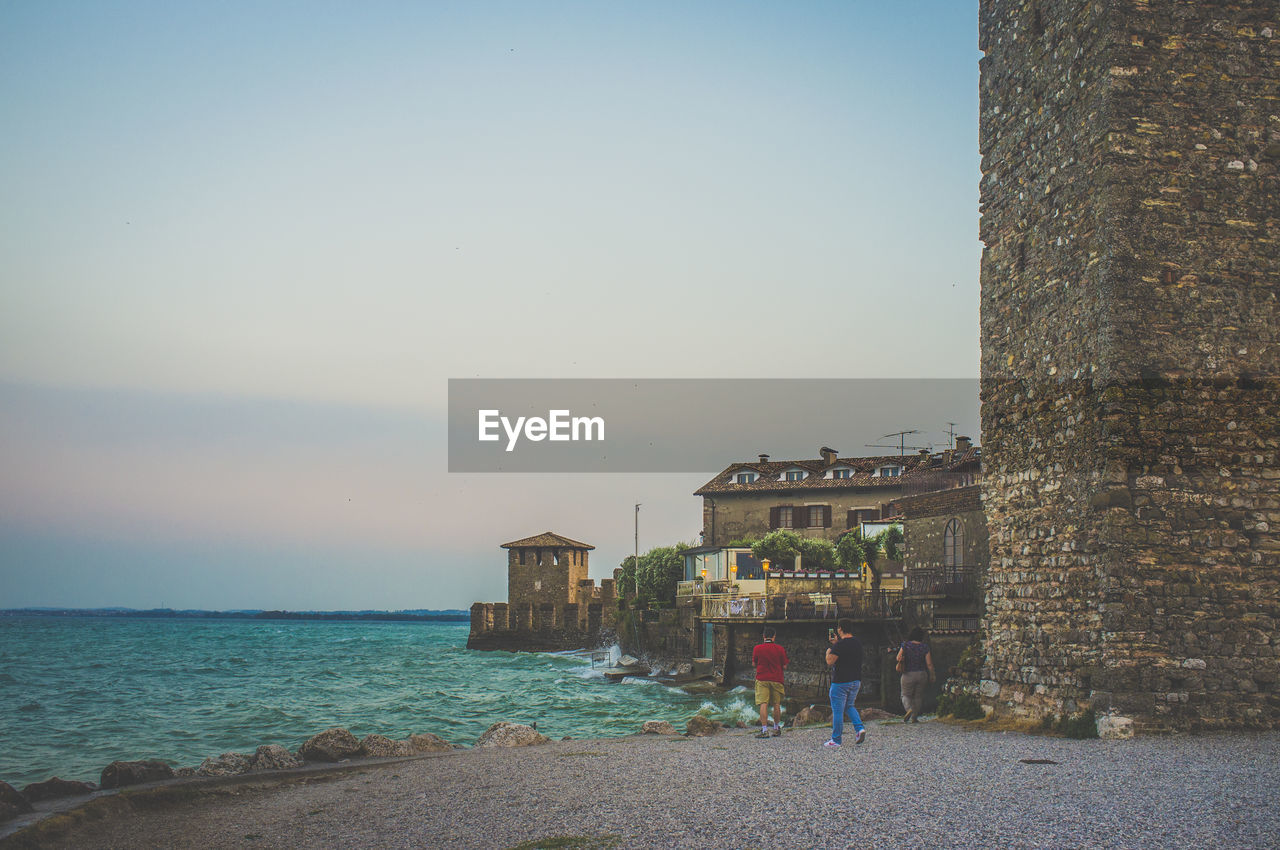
(932, 784)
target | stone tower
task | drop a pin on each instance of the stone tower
(545, 569)
(1131, 359)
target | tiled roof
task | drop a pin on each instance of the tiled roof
(547, 539)
(770, 471)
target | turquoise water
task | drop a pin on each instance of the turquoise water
(77, 693)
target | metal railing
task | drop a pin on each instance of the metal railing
(690, 588)
(955, 582)
(729, 607)
(804, 606)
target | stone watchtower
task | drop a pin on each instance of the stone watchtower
(545, 569)
(1130, 360)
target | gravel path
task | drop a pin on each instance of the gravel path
(926, 785)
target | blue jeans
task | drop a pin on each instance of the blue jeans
(842, 696)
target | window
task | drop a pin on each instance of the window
(953, 549)
(819, 516)
(857, 516)
(782, 517)
(889, 471)
(795, 475)
(746, 478)
(522, 551)
(841, 473)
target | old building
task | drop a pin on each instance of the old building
(1130, 329)
(822, 497)
(551, 603)
(945, 553)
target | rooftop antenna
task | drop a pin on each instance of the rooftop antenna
(902, 442)
(951, 435)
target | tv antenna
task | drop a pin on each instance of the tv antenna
(951, 435)
(902, 442)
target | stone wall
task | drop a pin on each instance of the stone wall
(807, 677)
(1130, 360)
(925, 521)
(543, 627)
(544, 574)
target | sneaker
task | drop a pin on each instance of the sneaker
(763, 733)
(777, 731)
(862, 736)
(906, 718)
(830, 744)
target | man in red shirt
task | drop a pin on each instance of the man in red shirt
(770, 659)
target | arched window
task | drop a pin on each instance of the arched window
(953, 549)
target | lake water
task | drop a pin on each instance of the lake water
(77, 693)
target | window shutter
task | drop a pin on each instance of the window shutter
(826, 516)
(774, 517)
(851, 520)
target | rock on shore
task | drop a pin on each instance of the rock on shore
(119, 774)
(274, 757)
(657, 727)
(504, 734)
(54, 787)
(700, 726)
(333, 744)
(12, 803)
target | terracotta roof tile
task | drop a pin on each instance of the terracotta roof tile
(547, 539)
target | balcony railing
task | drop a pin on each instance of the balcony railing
(690, 588)
(802, 606)
(953, 582)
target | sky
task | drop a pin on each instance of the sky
(244, 247)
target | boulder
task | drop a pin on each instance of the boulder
(273, 757)
(685, 669)
(812, 715)
(227, 764)
(875, 714)
(333, 744)
(12, 803)
(657, 727)
(53, 788)
(628, 661)
(504, 734)
(380, 746)
(119, 774)
(185, 772)
(700, 726)
(428, 743)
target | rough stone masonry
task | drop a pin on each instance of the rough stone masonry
(1131, 360)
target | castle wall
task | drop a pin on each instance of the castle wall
(552, 605)
(1130, 360)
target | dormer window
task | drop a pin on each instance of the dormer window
(746, 478)
(841, 473)
(888, 471)
(795, 475)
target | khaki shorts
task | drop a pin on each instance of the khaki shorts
(768, 693)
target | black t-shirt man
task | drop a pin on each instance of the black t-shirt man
(848, 666)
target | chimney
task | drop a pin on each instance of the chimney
(764, 458)
(828, 455)
(963, 444)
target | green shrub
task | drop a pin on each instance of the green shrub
(1083, 725)
(960, 706)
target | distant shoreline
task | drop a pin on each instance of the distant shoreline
(410, 616)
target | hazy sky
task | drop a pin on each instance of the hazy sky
(244, 246)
